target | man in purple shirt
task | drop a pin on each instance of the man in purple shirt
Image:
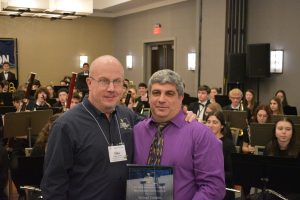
(190, 148)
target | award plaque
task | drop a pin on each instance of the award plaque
(149, 182)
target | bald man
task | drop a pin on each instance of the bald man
(90, 145)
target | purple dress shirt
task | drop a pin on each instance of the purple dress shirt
(194, 152)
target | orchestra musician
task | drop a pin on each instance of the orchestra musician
(40, 99)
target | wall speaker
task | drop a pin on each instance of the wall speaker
(236, 68)
(258, 60)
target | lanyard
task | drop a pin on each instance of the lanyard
(101, 128)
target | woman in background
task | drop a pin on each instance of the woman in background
(249, 101)
(216, 121)
(261, 115)
(276, 106)
(213, 93)
(283, 143)
(282, 96)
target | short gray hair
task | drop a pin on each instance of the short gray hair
(167, 76)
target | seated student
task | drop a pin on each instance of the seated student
(235, 96)
(142, 101)
(40, 99)
(283, 143)
(76, 99)
(5, 86)
(213, 92)
(51, 91)
(276, 106)
(16, 145)
(40, 145)
(62, 98)
(249, 101)
(262, 114)
(200, 106)
(216, 121)
(286, 107)
(212, 107)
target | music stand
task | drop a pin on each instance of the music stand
(266, 172)
(6, 99)
(294, 118)
(290, 110)
(25, 123)
(55, 110)
(237, 119)
(261, 134)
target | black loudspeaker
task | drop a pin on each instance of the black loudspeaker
(236, 68)
(258, 60)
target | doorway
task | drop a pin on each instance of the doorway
(159, 55)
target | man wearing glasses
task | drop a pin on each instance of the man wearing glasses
(90, 145)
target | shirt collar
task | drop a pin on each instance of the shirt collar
(93, 109)
(177, 121)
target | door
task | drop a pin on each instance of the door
(162, 56)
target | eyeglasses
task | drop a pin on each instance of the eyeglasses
(104, 82)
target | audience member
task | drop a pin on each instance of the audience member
(193, 151)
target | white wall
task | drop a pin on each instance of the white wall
(178, 22)
(277, 22)
(52, 48)
(213, 42)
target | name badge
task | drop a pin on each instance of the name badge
(117, 153)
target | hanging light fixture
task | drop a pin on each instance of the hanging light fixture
(54, 9)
